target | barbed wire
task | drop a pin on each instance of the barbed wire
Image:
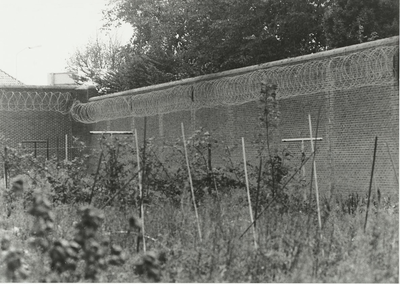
(373, 66)
(35, 101)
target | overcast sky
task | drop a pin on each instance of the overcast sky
(57, 26)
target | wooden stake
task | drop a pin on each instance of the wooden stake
(190, 181)
(248, 193)
(370, 182)
(140, 189)
(315, 175)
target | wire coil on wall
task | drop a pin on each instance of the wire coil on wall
(35, 101)
(373, 66)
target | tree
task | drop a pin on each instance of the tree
(176, 39)
(136, 71)
(93, 62)
(208, 36)
(240, 33)
(348, 22)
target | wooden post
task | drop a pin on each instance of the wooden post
(315, 175)
(248, 193)
(303, 170)
(140, 189)
(190, 181)
(370, 183)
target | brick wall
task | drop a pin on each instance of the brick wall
(348, 123)
(18, 126)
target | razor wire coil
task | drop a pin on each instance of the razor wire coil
(35, 101)
(369, 67)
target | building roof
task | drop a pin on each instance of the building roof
(6, 79)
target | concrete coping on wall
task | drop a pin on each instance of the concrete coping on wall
(239, 71)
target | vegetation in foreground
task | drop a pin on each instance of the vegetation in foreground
(59, 223)
(289, 245)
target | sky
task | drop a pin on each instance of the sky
(54, 28)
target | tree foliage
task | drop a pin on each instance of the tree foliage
(176, 39)
(207, 36)
(348, 22)
(91, 63)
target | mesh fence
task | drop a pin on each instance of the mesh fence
(368, 67)
(35, 101)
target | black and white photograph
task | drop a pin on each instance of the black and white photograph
(199, 141)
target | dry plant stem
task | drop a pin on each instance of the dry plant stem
(376, 186)
(231, 162)
(391, 160)
(95, 177)
(269, 153)
(211, 172)
(144, 154)
(274, 198)
(370, 182)
(268, 142)
(190, 181)
(303, 170)
(377, 195)
(248, 193)
(140, 190)
(132, 233)
(315, 176)
(66, 147)
(119, 191)
(215, 185)
(258, 189)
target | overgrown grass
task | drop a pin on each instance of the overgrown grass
(290, 249)
(49, 229)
